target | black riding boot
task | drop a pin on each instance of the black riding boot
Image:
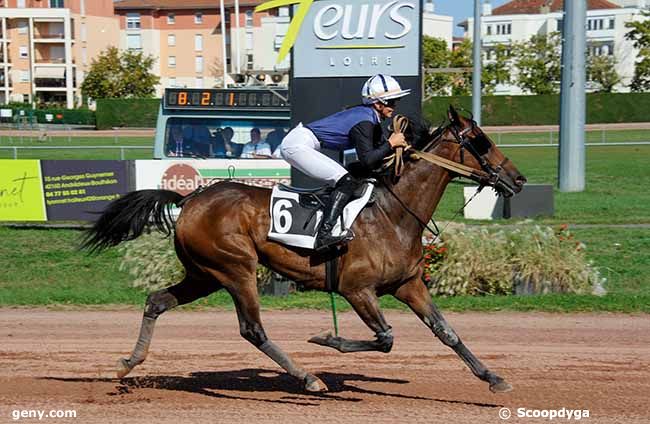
(343, 192)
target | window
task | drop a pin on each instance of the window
(24, 76)
(198, 18)
(20, 3)
(171, 40)
(133, 21)
(488, 30)
(23, 52)
(133, 42)
(171, 61)
(249, 41)
(198, 64)
(171, 18)
(172, 82)
(249, 62)
(249, 19)
(22, 27)
(560, 24)
(198, 83)
(56, 3)
(612, 23)
(198, 42)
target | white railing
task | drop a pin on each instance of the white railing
(122, 149)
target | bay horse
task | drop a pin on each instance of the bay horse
(221, 235)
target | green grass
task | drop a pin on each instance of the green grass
(615, 193)
(43, 267)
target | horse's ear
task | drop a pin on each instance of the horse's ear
(453, 115)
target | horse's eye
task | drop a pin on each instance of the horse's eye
(482, 144)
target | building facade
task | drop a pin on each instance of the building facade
(438, 26)
(187, 41)
(47, 47)
(518, 20)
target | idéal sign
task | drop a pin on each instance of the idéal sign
(348, 38)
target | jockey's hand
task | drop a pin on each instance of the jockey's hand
(397, 140)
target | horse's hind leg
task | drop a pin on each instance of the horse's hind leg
(366, 305)
(247, 304)
(158, 302)
(417, 297)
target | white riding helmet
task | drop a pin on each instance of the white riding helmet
(382, 88)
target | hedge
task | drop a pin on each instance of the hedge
(602, 108)
(134, 113)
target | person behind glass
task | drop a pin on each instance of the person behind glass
(175, 143)
(357, 127)
(224, 147)
(256, 149)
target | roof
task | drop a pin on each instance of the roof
(533, 7)
(177, 5)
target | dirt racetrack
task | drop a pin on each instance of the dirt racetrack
(200, 370)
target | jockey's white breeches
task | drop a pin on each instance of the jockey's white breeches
(301, 149)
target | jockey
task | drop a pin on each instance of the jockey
(357, 127)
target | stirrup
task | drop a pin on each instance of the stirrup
(333, 241)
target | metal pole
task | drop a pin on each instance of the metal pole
(223, 42)
(476, 77)
(571, 172)
(237, 39)
(15, 152)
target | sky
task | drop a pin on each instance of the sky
(460, 10)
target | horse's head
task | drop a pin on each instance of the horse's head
(462, 141)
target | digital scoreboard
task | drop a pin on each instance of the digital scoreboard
(225, 99)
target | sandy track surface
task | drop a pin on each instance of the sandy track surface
(200, 370)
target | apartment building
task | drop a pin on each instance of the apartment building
(438, 26)
(46, 47)
(186, 39)
(518, 20)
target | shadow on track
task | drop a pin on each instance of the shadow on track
(255, 380)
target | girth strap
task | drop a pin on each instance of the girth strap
(331, 275)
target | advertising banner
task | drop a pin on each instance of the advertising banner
(187, 175)
(349, 38)
(79, 190)
(21, 192)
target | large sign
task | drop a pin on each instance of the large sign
(21, 192)
(348, 38)
(80, 190)
(187, 175)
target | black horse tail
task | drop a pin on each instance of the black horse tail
(127, 217)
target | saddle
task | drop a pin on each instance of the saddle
(296, 212)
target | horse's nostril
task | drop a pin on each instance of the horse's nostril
(520, 180)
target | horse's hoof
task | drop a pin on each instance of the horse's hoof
(323, 339)
(123, 368)
(314, 384)
(500, 386)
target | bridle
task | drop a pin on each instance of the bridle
(488, 175)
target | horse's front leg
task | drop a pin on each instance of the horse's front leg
(415, 294)
(366, 305)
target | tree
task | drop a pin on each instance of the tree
(640, 35)
(602, 72)
(497, 70)
(461, 57)
(538, 63)
(114, 74)
(435, 55)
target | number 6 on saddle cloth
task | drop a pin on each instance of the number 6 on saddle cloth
(296, 213)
